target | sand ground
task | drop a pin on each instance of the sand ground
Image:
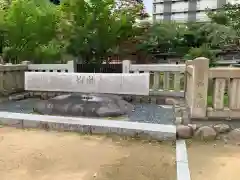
(41, 155)
(214, 161)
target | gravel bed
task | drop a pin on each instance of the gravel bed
(152, 113)
(147, 113)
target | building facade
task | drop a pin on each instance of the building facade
(186, 10)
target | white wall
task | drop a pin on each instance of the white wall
(206, 4)
(159, 8)
(183, 6)
(157, 0)
(179, 6)
(233, 1)
(179, 17)
(159, 17)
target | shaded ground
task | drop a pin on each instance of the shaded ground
(214, 161)
(40, 155)
(147, 113)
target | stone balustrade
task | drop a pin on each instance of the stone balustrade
(212, 92)
(165, 79)
(208, 92)
(12, 78)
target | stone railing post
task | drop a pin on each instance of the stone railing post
(188, 83)
(26, 62)
(198, 107)
(71, 66)
(126, 66)
(2, 79)
(21, 78)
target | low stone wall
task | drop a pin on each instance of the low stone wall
(89, 126)
(204, 129)
(11, 78)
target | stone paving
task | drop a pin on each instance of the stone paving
(145, 113)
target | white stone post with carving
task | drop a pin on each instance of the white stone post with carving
(126, 66)
(200, 87)
(71, 66)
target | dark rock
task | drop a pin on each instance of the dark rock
(194, 126)
(222, 128)
(234, 135)
(128, 98)
(184, 131)
(16, 97)
(205, 133)
(88, 105)
(171, 101)
(44, 96)
(26, 95)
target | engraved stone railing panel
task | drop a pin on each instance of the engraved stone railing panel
(234, 95)
(11, 78)
(218, 93)
(200, 87)
(137, 84)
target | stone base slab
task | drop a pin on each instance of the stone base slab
(89, 125)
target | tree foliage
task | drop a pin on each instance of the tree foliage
(29, 25)
(190, 40)
(93, 30)
(224, 29)
(90, 30)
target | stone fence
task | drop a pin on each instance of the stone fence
(222, 100)
(208, 92)
(165, 79)
(68, 67)
(12, 78)
(12, 75)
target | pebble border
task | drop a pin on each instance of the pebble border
(186, 129)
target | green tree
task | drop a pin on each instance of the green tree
(92, 30)
(30, 25)
(224, 29)
(165, 37)
(203, 51)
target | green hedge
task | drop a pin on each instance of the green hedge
(210, 100)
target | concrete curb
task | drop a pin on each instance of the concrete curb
(90, 125)
(183, 172)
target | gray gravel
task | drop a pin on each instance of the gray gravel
(147, 113)
(22, 106)
(152, 113)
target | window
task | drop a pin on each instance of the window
(180, 7)
(206, 4)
